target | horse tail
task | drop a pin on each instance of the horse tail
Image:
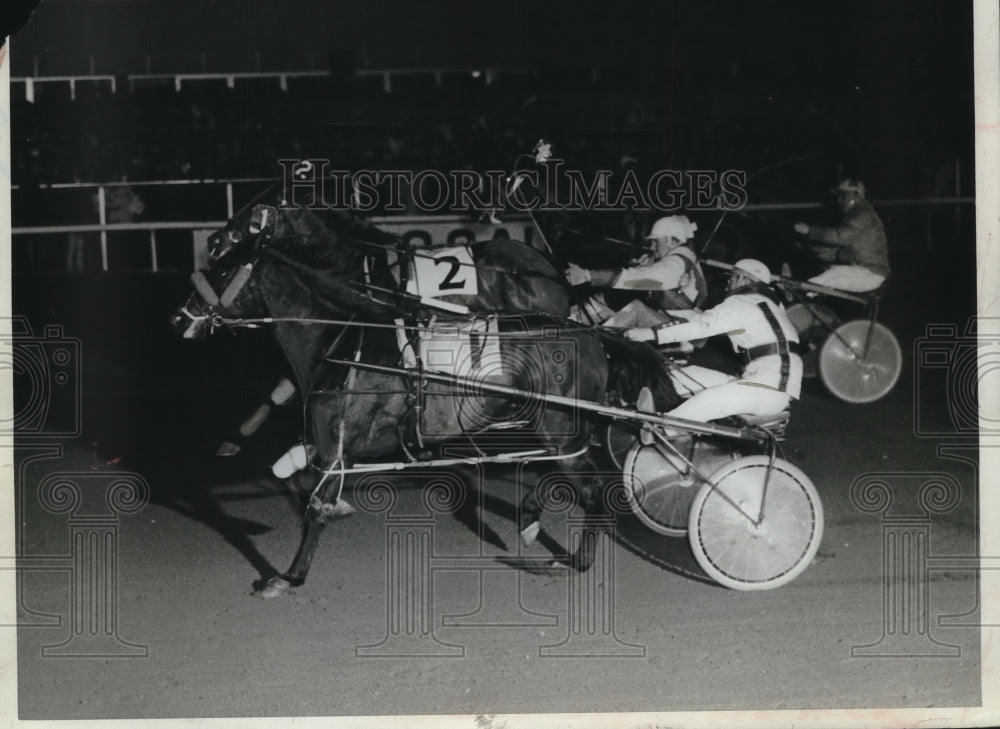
(634, 365)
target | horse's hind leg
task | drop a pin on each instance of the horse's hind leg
(595, 521)
(533, 503)
(529, 517)
(319, 511)
(581, 475)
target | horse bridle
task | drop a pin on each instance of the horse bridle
(262, 222)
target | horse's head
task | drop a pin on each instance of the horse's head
(323, 250)
(221, 290)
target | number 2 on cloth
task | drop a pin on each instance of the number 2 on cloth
(444, 272)
(449, 283)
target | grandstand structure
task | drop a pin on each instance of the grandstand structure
(121, 157)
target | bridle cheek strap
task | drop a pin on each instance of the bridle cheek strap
(233, 288)
(236, 285)
(204, 288)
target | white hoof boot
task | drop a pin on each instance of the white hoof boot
(297, 458)
(274, 588)
(283, 392)
(338, 508)
(530, 533)
(228, 449)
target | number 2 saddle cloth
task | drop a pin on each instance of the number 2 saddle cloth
(438, 272)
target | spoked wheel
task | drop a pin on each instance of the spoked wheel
(861, 361)
(660, 487)
(619, 438)
(744, 545)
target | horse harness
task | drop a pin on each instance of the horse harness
(781, 346)
(262, 227)
(691, 270)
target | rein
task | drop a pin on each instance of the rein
(254, 323)
(780, 163)
(243, 275)
(417, 252)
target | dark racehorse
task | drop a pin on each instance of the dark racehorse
(304, 264)
(512, 276)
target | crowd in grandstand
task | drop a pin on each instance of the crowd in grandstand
(206, 130)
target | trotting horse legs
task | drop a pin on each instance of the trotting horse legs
(581, 477)
(323, 506)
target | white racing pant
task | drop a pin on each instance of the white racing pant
(857, 279)
(634, 314)
(594, 310)
(637, 314)
(714, 395)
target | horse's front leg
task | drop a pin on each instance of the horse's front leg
(323, 507)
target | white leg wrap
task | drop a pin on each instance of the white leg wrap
(530, 533)
(283, 392)
(294, 460)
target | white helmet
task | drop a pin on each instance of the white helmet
(757, 270)
(674, 226)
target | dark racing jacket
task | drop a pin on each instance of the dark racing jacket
(860, 239)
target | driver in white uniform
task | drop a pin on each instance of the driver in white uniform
(670, 269)
(754, 319)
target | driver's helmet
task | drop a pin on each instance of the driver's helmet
(758, 272)
(850, 185)
(673, 226)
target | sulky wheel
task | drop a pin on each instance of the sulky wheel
(744, 546)
(618, 438)
(660, 487)
(813, 322)
(861, 361)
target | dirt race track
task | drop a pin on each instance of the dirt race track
(487, 637)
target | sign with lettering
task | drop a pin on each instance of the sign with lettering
(435, 231)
